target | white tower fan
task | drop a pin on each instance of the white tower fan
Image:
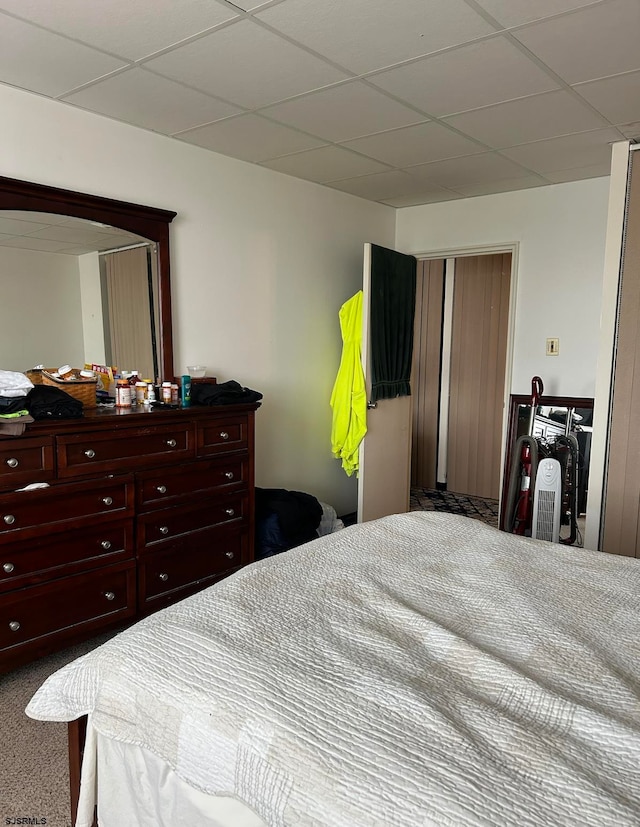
(547, 501)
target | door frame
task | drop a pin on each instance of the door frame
(512, 247)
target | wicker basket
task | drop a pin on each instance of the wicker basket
(84, 390)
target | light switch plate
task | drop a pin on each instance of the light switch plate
(553, 347)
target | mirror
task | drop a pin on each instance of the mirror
(54, 295)
(561, 428)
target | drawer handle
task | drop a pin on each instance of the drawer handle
(90, 453)
(161, 489)
(230, 511)
(107, 500)
(12, 462)
(228, 475)
(110, 595)
(9, 519)
(224, 435)
(14, 625)
(171, 443)
(229, 554)
(163, 576)
(106, 544)
(164, 529)
(8, 567)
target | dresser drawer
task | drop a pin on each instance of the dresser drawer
(126, 450)
(162, 487)
(208, 554)
(37, 611)
(44, 558)
(26, 460)
(62, 507)
(230, 433)
(162, 526)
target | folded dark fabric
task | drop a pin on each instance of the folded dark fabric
(12, 404)
(226, 393)
(46, 402)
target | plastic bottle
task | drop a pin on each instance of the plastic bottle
(133, 381)
(175, 393)
(166, 393)
(151, 392)
(141, 393)
(185, 391)
(123, 394)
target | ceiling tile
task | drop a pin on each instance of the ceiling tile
(328, 163)
(527, 119)
(40, 61)
(594, 42)
(630, 130)
(246, 65)
(481, 73)
(617, 97)
(571, 151)
(593, 171)
(415, 145)
(150, 101)
(381, 186)
(350, 110)
(363, 35)
(15, 226)
(34, 217)
(433, 195)
(250, 138)
(474, 169)
(130, 29)
(69, 235)
(506, 185)
(515, 12)
(40, 244)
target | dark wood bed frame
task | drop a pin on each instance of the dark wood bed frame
(77, 733)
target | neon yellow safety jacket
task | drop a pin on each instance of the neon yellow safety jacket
(349, 396)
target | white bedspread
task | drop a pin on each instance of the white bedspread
(421, 670)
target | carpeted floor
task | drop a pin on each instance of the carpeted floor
(427, 499)
(34, 771)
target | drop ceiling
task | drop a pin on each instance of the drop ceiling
(403, 102)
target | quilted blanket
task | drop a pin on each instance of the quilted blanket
(423, 669)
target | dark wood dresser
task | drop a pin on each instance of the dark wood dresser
(142, 509)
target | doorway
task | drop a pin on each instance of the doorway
(459, 379)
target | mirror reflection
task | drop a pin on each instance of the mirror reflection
(77, 292)
(541, 493)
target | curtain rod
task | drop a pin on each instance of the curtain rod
(129, 247)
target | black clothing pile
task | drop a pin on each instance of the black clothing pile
(226, 393)
(284, 520)
(47, 402)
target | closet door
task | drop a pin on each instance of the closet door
(621, 509)
(478, 364)
(427, 363)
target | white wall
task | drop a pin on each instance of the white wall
(560, 231)
(37, 290)
(261, 263)
(92, 311)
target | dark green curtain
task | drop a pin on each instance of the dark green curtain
(393, 301)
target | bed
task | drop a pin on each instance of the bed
(423, 669)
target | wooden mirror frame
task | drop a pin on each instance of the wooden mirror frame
(149, 222)
(515, 400)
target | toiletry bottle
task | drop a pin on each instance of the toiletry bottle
(185, 391)
(175, 393)
(151, 392)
